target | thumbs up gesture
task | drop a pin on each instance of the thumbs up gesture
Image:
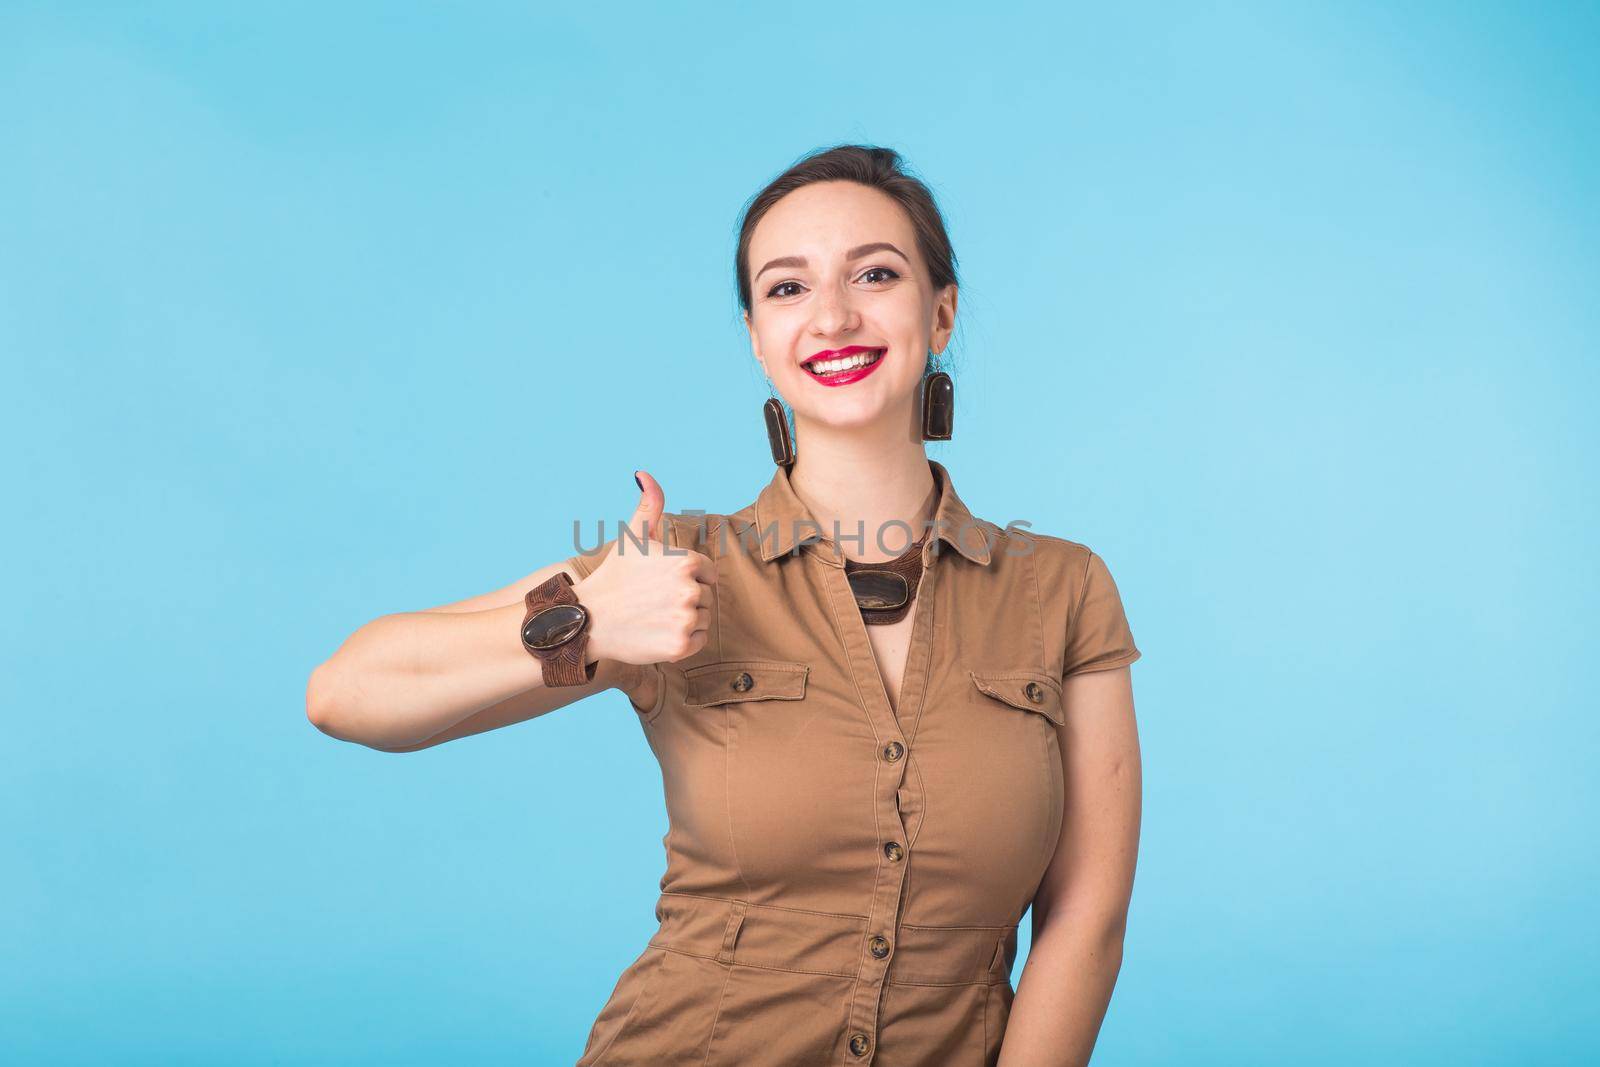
(648, 606)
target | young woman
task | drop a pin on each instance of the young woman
(885, 727)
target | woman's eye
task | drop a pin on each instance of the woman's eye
(776, 290)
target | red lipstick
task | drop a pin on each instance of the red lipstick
(848, 374)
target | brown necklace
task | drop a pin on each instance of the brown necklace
(884, 591)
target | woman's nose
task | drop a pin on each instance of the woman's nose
(833, 312)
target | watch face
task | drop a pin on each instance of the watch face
(554, 626)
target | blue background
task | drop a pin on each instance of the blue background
(1291, 309)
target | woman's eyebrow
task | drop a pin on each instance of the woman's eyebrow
(855, 253)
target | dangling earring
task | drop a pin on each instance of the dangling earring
(778, 435)
(938, 405)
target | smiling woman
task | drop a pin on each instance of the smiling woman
(874, 761)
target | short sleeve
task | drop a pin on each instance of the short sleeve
(1098, 637)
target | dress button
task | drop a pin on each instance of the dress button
(894, 851)
(743, 681)
(879, 946)
(1035, 691)
(858, 1044)
(893, 751)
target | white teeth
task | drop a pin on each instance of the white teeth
(834, 366)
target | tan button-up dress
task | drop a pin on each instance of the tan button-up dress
(844, 880)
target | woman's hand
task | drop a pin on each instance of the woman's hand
(650, 604)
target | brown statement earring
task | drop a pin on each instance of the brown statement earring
(938, 406)
(778, 435)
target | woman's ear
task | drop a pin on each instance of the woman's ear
(755, 345)
(944, 318)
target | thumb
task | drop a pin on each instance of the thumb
(645, 522)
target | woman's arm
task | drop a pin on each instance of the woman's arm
(417, 679)
(412, 680)
(1081, 908)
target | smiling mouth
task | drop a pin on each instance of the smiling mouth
(824, 368)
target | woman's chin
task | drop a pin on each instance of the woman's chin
(843, 416)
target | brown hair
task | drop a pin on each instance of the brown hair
(876, 168)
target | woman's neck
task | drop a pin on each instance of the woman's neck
(869, 487)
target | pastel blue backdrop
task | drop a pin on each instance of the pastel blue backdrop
(1290, 307)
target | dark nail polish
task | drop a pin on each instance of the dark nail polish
(637, 482)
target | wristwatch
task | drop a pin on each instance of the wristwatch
(555, 631)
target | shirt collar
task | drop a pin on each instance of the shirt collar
(782, 521)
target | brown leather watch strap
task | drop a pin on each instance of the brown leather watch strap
(562, 664)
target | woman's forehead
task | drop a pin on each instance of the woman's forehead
(827, 219)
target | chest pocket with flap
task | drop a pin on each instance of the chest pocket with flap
(744, 679)
(1029, 690)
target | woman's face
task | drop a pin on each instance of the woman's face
(835, 265)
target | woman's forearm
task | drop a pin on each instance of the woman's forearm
(404, 678)
(1063, 993)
